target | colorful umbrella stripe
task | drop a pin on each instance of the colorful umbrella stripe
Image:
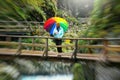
(50, 24)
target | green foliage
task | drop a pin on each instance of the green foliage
(78, 72)
(36, 41)
(33, 10)
(104, 19)
(4, 76)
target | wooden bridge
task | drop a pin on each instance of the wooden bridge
(108, 49)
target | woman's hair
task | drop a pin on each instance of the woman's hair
(57, 24)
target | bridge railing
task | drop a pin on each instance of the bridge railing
(106, 47)
(20, 27)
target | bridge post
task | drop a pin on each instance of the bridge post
(33, 48)
(46, 48)
(74, 55)
(105, 51)
(19, 46)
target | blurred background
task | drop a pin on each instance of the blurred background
(86, 18)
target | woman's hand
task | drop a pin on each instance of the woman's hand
(56, 33)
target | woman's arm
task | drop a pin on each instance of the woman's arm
(61, 32)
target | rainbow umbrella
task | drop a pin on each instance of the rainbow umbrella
(50, 24)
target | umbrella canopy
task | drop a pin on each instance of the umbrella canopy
(50, 24)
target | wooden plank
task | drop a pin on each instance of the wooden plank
(17, 30)
(13, 26)
(14, 51)
(89, 56)
(43, 37)
(113, 58)
(8, 51)
(28, 53)
(113, 48)
(52, 55)
(90, 46)
(109, 48)
(6, 43)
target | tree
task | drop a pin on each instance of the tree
(32, 10)
(105, 19)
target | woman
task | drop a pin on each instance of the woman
(57, 34)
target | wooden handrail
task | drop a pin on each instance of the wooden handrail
(105, 47)
(20, 27)
(20, 22)
(13, 26)
(43, 37)
(7, 43)
(10, 30)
